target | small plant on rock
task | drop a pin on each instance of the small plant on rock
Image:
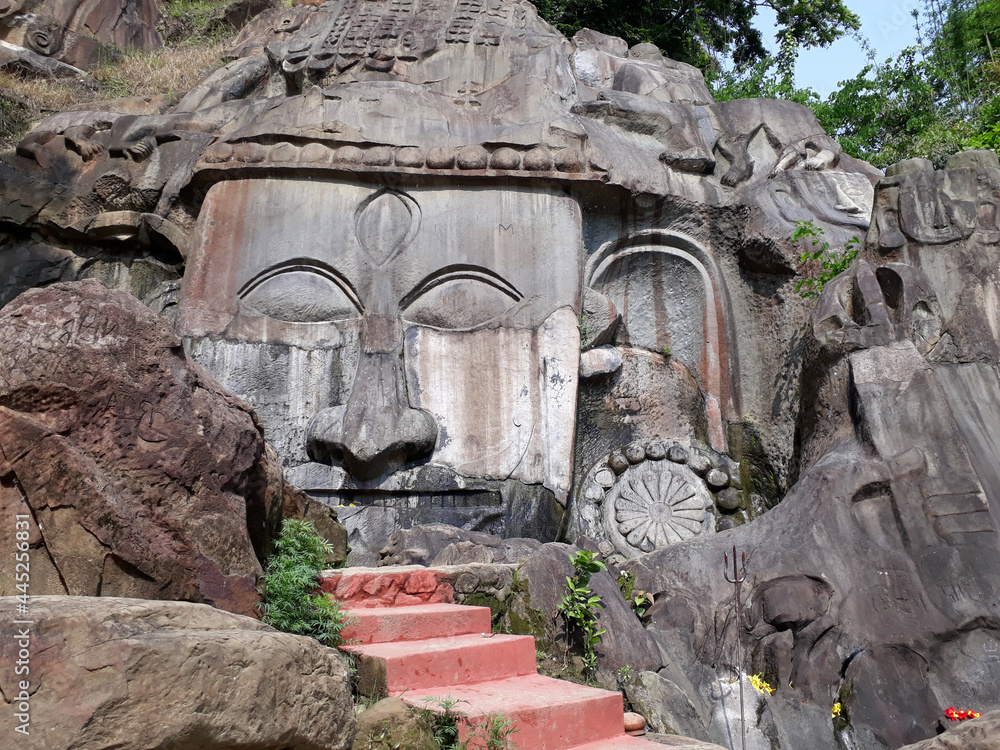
(832, 264)
(638, 600)
(292, 602)
(443, 718)
(493, 733)
(580, 605)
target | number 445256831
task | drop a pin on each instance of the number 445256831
(21, 569)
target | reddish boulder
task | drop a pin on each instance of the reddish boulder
(140, 475)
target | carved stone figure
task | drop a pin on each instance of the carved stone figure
(874, 582)
(469, 272)
(404, 237)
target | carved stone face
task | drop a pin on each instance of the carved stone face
(397, 343)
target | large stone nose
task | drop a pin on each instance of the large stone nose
(376, 430)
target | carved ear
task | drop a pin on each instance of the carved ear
(599, 320)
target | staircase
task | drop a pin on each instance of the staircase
(414, 643)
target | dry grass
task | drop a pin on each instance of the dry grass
(24, 101)
(172, 71)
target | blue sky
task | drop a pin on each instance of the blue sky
(888, 26)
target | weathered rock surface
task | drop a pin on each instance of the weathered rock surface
(874, 582)
(73, 31)
(681, 743)
(972, 734)
(15, 58)
(440, 544)
(665, 706)
(135, 674)
(389, 724)
(141, 476)
(533, 610)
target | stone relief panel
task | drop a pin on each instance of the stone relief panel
(73, 31)
(396, 351)
(672, 301)
(461, 47)
(942, 223)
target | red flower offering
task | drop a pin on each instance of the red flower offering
(961, 714)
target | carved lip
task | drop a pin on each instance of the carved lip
(424, 479)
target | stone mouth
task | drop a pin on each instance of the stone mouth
(463, 501)
(427, 479)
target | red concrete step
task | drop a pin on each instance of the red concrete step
(416, 622)
(550, 714)
(394, 668)
(391, 586)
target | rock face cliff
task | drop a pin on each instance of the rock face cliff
(467, 271)
(461, 267)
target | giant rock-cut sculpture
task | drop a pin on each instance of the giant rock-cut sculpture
(402, 223)
(468, 271)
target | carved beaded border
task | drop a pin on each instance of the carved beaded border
(711, 482)
(475, 158)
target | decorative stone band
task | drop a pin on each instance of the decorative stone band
(567, 163)
(649, 495)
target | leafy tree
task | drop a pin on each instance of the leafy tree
(933, 99)
(699, 31)
(832, 263)
(772, 77)
(882, 113)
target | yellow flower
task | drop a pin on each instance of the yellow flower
(758, 682)
(836, 710)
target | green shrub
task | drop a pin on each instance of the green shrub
(292, 602)
(580, 605)
(832, 264)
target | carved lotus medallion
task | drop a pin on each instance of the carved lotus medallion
(655, 504)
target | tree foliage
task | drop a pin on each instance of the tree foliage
(699, 31)
(933, 99)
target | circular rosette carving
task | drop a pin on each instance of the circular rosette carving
(654, 505)
(43, 36)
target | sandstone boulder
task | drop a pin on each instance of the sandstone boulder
(133, 674)
(141, 476)
(625, 641)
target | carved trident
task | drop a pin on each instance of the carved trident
(739, 575)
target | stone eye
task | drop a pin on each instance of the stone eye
(301, 292)
(459, 298)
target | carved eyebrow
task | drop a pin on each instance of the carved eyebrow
(455, 272)
(304, 265)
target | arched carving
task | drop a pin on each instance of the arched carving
(708, 344)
